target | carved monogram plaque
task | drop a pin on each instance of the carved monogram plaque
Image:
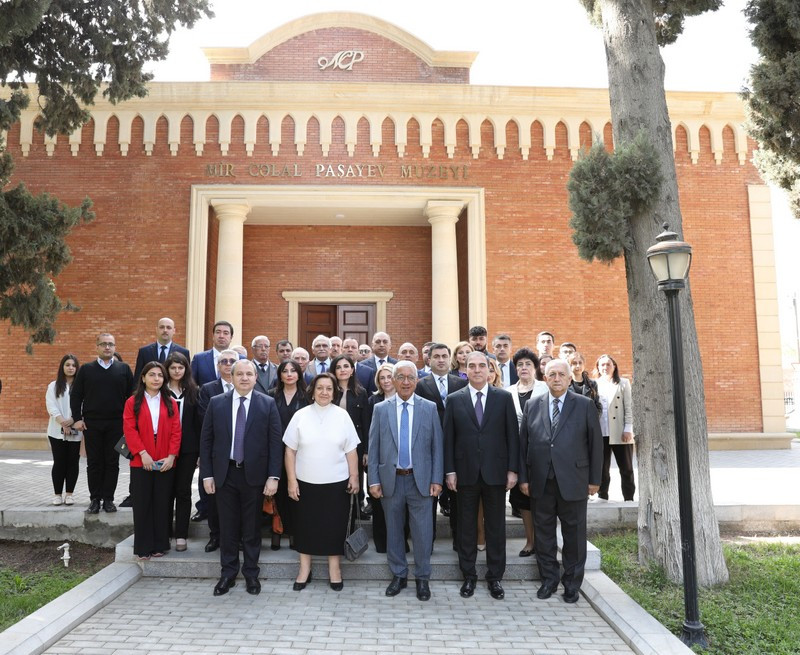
(343, 60)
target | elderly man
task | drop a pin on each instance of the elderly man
(301, 356)
(408, 352)
(266, 371)
(350, 348)
(562, 459)
(240, 463)
(321, 346)
(364, 352)
(406, 474)
(336, 347)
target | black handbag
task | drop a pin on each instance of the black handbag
(122, 448)
(357, 541)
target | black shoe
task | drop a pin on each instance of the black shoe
(94, 507)
(516, 513)
(423, 590)
(253, 586)
(496, 589)
(468, 588)
(445, 511)
(367, 509)
(212, 545)
(299, 586)
(546, 590)
(109, 506)
(396, 585)
(525, 552)
(127, 502)
(571, 596)
(276, 542)
(337, 586)
(223, 585)
(199, 517)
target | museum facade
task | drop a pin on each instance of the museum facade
(340, 176)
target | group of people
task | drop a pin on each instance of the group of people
(463, 430)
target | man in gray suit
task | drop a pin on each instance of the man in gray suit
(405, 471)
(266, 371)
(561, 449)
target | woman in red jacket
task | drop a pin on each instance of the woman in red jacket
(152, 429)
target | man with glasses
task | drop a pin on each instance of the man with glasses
(266, 371)
(322, 356)
(364, 352)
(97, 399)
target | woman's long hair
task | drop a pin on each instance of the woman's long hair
(61, 378)
(614, 375)
(138, 396)
(454, 366)
(301, 381)
(186, 383)
(353, 385)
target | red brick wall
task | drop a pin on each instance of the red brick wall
(130, 264)
(297, 60)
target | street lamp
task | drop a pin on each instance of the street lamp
(670, 260)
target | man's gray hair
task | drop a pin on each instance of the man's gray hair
(321, 337)
(404, 363)
(260, 337)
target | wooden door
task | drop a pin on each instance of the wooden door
(314, 320)
(356, 322)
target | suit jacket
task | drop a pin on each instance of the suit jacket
(263, 448)
(312, 366)
(149, 353)
(266, 380)
(366, 378)
(490, 449)
(428, 388)
(207, 392)
(358, 409)
(575, 449)
(203, 369)
(512, 371)
(426, 446)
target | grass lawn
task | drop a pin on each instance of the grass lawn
(757, 612)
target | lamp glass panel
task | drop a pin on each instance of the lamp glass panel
(659, 264)
(679, 265)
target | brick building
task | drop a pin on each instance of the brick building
(339, 175)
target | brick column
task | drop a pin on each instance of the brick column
(231, 215)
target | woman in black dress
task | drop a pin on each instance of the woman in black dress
(183, 389)
(581, 383)
(290, 395)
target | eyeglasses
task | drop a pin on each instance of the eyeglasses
(227, 362)
(406, 378)
(260, 346)
(106, 344)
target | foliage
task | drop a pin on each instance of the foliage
(71, 49)
(668, 15)
(606, 191)
(754, 613)
(773, 110)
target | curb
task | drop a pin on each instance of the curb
(630, 621)
(40, 630)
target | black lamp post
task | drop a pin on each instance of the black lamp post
(669, 260)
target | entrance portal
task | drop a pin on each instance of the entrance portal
(348, 321)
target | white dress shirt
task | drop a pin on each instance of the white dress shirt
(154, 405)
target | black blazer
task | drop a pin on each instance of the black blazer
(286, 412)
(490, 449)
(207, 392)
(588, 388)
(190, 426)
(263, 447)
(358, 409)
(575, 449)
(428, 388)
(149, 353)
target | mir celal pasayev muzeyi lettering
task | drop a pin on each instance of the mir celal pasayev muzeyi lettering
(380, 171)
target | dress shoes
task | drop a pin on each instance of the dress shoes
(94, 507)
(199, 517)
(423, 590)
(571, 596)
(468, 588)
(127, 502)
(212, 545)
(337, 586)
(253, 586)
(525, 552)
(546, 590)
(396, 585)
(299, 586)
(496, 589)
(223, 585)
(109, 506)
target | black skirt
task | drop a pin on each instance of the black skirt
(320, 518)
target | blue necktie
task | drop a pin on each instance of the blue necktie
(404, 456)
(443, 390)
(238, 434)
(322, 367)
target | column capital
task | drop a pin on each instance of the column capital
(438, 210)
(231, 209)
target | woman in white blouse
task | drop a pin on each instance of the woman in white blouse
(65, 443)
(616, 422)
(321, 469)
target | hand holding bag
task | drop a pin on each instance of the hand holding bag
(271, 507)
(356, 542)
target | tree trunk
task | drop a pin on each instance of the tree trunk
(638, 102)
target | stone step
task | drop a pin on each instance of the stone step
(282, 564)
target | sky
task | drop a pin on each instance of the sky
(521, 43)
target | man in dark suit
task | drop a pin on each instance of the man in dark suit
(240, 462)
(204, 364)
(436, 387)
(381, 343)
(162, 348)
(405, 471)
(562, 458)
(207, 505)
(481, 457)
(501, 345)
(266, 371)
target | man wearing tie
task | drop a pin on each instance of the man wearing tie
(240, 462)
(204, 364)
(365, 369)
(436, 387)
(163, 347)
(266, 371)
(481, 456)
(405, 472)
(562, 458)
(321, 347)
(501, 345)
